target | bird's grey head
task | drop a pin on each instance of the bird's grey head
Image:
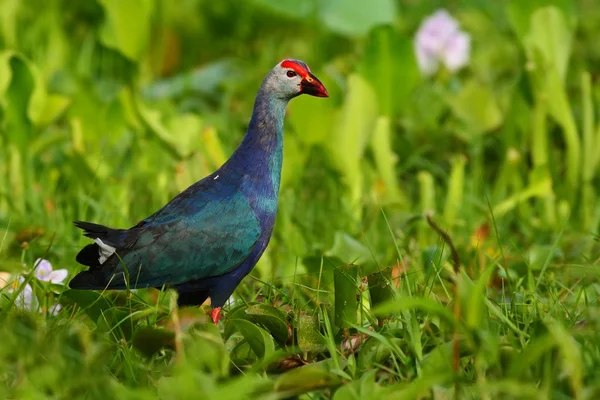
(291, 78)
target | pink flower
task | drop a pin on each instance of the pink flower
(44, 272)
(439, 40)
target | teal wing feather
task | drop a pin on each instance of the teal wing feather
(170, 250)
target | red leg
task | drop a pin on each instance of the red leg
(215, 315)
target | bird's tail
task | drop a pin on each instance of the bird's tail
(94, 279)
(106, 241)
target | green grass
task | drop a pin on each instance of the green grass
(358, 296)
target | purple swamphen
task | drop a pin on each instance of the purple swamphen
(209, 237)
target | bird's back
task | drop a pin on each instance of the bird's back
(207, 230)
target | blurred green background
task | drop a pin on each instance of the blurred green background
(110, 108)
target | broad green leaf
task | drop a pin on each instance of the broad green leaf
(38, 92)
(126, 26)
(551, 35)
(346, 285)
(5, 72)
(306, 379)
(54, 106)
(519, 12)
(309, 337)
(22, 96)
(381, 287)
(456, 189)
(548, 44)
(271, 319)
(476, 107)
(389, 65)
(352, 130)
(349, 250)
(205, 80)
(259, 340)
(386, 159)
(354, 17)
(152, 119)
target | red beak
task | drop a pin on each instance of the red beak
(312, 86)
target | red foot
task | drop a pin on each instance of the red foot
(215, 315)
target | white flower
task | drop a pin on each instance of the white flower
(44, 272)
(53, 310)
(439, 40)
(230, 302)
(25, 298)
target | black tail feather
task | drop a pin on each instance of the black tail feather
(89, 280)
(96, 231)
(89, 255)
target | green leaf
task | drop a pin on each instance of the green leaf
(519, 13)
(418, 388)
(570, 351)
(476, 106)
(349, 250)
(386, 159)
(352, 130)
(364, 388)
(259, 340)
(91, 302)
(270, 318)
(311, 120)
(389, 57)
(306, 379)
(54, 106)
(345, 280)
(5, 72)
(22, 96)
(456, 189)
(126, 26)
(152, 120)
(355, 18)
(410, 303)
(475, 304)
(381, 287)
(150, 341)
(551, 36)
(309, 337)
(530, 355)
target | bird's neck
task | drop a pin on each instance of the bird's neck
(260, 154)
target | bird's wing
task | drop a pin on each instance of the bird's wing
(211, 241)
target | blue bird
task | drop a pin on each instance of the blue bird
(210, 236)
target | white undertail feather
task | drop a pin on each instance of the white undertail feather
(105, 250)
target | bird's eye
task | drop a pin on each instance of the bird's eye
(291, 74)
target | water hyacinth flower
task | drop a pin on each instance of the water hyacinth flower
(439, 40)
